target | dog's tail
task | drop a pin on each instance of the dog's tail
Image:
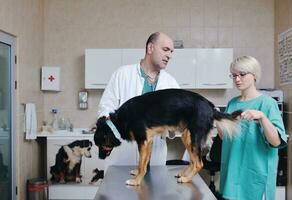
(228, 122)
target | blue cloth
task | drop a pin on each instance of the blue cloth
(114, 129)
(248, 162)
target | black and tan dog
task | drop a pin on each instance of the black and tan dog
(68, 161)
(154, 113)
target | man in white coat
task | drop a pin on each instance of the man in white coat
(136, 79)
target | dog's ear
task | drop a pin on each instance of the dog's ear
(100, 121)
(101, 132)
(84, 143)
(88, 143)
(101, 126)
(104, 135)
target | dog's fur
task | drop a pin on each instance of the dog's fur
(155, 113)
(68, 161)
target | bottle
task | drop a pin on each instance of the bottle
(62, 123)
(55, 119)
(69, 125)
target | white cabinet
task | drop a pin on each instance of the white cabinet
(87, 164)
(182, 66)
(101, 63)
(72, 190)
(126, 154)
(213, 68)
(99, 66)
(132, 56)
(192, 68)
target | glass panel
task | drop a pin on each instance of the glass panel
(5, 123)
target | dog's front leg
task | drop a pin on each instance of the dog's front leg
(62, 177)
(144, 157)
(134, 172)
(77, 173)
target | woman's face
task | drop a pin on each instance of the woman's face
(243, 80)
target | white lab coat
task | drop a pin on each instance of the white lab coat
(125, 83)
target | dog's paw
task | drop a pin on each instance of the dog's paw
(78, 180)
(185, 172)
(184, 179)
(180, 174)
(134, 172)
(177, 176)
(132, 182)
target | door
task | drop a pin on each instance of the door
(7, 156)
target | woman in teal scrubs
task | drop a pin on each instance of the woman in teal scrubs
(249, 160)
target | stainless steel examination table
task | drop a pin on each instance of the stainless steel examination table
(159, 183)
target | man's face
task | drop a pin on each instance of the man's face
(161, 51)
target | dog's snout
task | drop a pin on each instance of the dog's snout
(104, 152)
(102, 155)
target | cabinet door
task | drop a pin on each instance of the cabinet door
(182, 66)
(87, 164)
(213, 68)
(132, 56)
(99, 66)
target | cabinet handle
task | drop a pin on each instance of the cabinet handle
(211, 84)
(98, 84)
(184, 84)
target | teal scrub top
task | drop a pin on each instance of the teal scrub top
(248, 162)
(148, 87)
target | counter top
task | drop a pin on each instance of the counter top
(83, 132)
(78, 132)
(159, 183)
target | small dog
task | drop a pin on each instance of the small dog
(155, 113)
(68, 161)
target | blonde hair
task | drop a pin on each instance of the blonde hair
(247, 64)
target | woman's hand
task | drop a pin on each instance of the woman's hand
(270, 130)
(252, 115)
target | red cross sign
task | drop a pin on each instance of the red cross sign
(51, 78)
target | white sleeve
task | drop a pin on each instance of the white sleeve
(174, 83)
(110, 99)
(168, 81)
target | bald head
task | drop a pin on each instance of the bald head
(154, 37)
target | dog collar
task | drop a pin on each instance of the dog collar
(114, 129)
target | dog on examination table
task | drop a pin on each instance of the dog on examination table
(68, 161)
(155, 113)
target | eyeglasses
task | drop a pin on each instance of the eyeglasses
(240, 75)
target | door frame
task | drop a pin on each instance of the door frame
(11, 41)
